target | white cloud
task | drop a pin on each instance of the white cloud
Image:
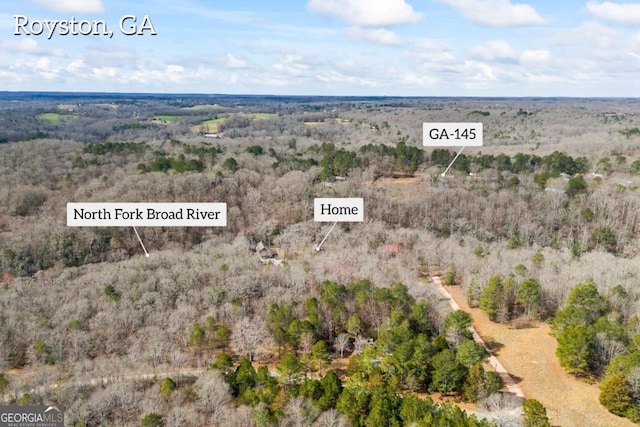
(497, 13)
(75, 66)
(623, 13)
(430, 44)
(42, 64)
(367, 12)
(535, 56)
(169, 74)
(333, 77)
(292, 65)
(492, 50)
(376, 35)
(420, 81)
(105, 72)
(72, 6)
(440, 58)
(6, 21)
(235, 62)
(480, 75)
(543, 78)
(592, 40)
(109, 56)
(429, 51)
(29, 47)
(142, 76)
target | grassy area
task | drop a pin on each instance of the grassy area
(260, 116)
(56, 117)
(166, 118)
(205, 107)
(209, 126)
(212, 126)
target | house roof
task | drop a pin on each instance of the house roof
(392, 248)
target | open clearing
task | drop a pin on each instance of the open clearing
(328, 122)
(529, 355)
(212, 126)
(205, 107)
(208, 126)
(401, 188)
(166, 118)
(402, 180)
(56, 117)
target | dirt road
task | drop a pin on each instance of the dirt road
(508, 381)
(529, 355)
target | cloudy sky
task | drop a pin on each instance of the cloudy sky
(325, 47)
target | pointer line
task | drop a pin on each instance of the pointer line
(325, 237)
(143, 248)
(452, 162)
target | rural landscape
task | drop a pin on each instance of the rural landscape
(503, 292)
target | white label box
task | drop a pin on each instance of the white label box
(146, 214)
(338, 210)
(452, 134)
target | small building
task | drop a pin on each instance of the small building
(264, 252)
(391, 249)
(555, 190)
(7, 277)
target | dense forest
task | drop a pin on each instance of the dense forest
(539, 224)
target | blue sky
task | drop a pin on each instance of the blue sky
(327, 47)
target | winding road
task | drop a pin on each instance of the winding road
(507, 379)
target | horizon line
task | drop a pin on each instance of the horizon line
(5, 93)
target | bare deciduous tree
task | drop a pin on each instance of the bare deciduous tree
(633, 378)
(213, 394)
(341, 343)
(505, 409)
(606, 349)
(298, 412)
(248, 334)
(240, 417)
(306, 342)
(331, 418)
(359, 343)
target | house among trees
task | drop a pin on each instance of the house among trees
(391, 249)
(264, 252)
(7, 277)
(555, 190)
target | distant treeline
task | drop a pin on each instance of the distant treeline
(115, 147)
(405, 160)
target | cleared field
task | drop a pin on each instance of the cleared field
(212, 126)
(166, 118)
(260, 116)
(529, 355)
(56, 117)
(330, 121)
(205, 107)
(208, 126)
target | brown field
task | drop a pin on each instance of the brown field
(402, 180)
(529, 355)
